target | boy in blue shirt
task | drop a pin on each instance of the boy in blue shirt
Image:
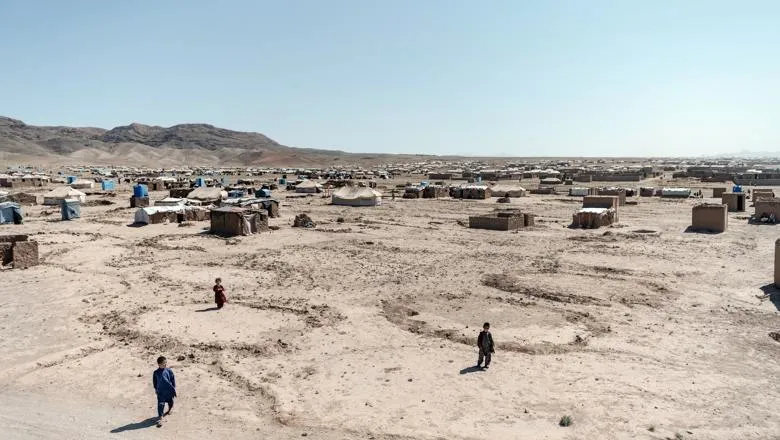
(165, 386)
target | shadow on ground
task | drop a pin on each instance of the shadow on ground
(472, 369)
(773, 293)
(148, 423)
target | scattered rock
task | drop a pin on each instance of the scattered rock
(97, 202)
(303, 221)
(579, 340)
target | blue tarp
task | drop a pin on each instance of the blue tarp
(736, 189)
(71, 179)
(70, 209)
(108, 185)
(140, 191)
(263, 193)
(200, 182)
(10, 213)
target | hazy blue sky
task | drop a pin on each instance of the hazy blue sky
(547, 77)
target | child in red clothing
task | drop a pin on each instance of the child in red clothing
(219, 293)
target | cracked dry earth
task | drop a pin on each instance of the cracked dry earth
(364, 328)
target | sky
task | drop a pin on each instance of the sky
(514, 77)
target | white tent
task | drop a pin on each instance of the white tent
(357, 196)
(54, 196)
(170, 201)
(143, 214)
(676, 192)
(502, 189)
(207, 193)
(83, 184)
(308, 186)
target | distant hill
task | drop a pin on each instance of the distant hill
(145, 145)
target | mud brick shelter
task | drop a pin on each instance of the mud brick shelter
(736, 202)
(593, 218)
(709, 217)
(19, 250)
(502, 221)
(718, 192)
(767, 207)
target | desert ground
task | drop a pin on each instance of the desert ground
(364, 327)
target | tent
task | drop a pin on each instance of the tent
(676, 192)
(161, 214)
(502, 189)
(147, 215)
(308, 186)
(266, 203)
(150, 214)
(83, 184)
(56, 195)
(207, 194)
(170, 201)
(357, 196)
(230, 221)
(70, 209)
(10, 213)
(471, 191)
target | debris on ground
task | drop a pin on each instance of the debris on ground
(303, 221)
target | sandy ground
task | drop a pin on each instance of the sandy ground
(363, 328)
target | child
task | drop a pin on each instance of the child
(219, 293)
(165, 386)
(485, 344)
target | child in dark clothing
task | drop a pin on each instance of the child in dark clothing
(485, 344)
(164, 384)
(219, 293)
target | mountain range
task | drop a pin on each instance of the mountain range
(145, 145)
